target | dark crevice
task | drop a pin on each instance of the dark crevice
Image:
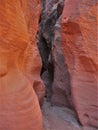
(49, 44)
(54, 73)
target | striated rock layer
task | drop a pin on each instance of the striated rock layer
(33, 64)
(79, 40)
(20, 66)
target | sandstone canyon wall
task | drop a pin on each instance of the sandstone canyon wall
(67, 41)
(79, 39)
(68, 47)
(20, 66)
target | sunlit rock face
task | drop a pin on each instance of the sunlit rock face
(33, 64)
(79, 41)
(20, 66)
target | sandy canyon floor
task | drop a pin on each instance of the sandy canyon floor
(60, 118)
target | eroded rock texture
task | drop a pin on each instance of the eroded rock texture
(79, 40)
(20, 66)
(33, 64)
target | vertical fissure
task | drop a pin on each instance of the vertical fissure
(54, 72)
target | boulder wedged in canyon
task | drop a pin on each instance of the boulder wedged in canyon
(20, 66)
(79, 41)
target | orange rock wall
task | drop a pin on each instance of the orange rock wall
(20, 66)
(33, 62)
(79, 40)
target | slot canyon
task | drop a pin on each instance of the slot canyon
(48, 65)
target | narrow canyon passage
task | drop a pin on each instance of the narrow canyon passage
(48, 65)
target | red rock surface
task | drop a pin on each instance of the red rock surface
(20, 66)
(79, 40)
